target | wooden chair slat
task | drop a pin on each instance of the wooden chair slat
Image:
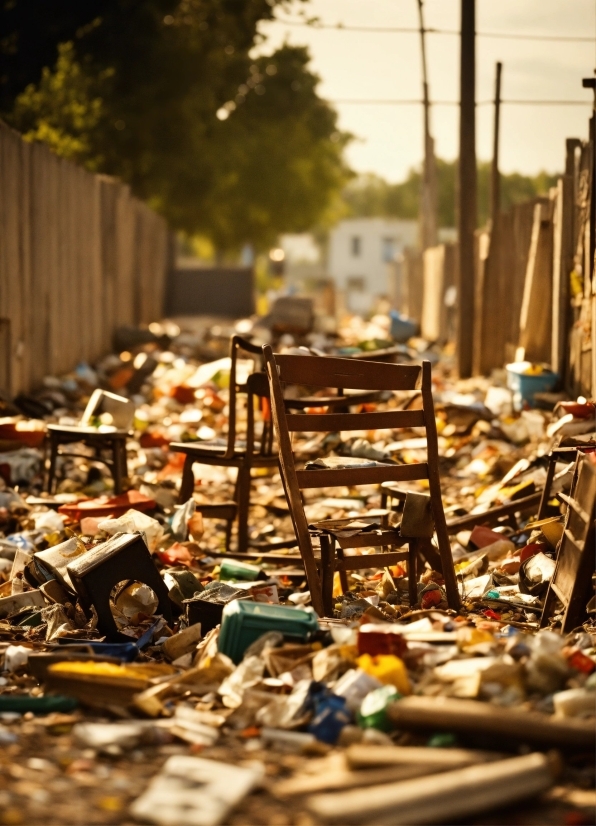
(331, 422)
(348, 374)
(360, 476)
(355, 563)
(369, 539)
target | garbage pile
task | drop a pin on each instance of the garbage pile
(147, 675)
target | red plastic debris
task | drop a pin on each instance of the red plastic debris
(108, 505)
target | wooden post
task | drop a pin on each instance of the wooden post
(428, 200)
(562, 266)
(495, 180)
(536, 312)
(490, 284)
(467, 197)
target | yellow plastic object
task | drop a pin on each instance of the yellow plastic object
(387, 669)
(469, 638)
(553, 531)
(141, 673)
(517, 491)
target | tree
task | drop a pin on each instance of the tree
(165, 95)
(371, 195)
(276, 160)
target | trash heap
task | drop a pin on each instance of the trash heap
(147, 676)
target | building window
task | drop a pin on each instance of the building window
(388, 249)
(356, 245)
(355, 283)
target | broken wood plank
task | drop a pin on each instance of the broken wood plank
(475, 718)
(360, 756)
(336, 780)
(444, 798)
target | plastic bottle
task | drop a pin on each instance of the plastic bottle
(373, 711)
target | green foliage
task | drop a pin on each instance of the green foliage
(369, 195)
(64, 109)
(164, 94)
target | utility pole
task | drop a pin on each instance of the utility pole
(467, 209)
(495, 178)
(428, 199)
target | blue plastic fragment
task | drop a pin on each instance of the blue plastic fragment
(125, 651)
(21, 541)
(330, 716)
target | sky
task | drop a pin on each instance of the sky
(360, 65)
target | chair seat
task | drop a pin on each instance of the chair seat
(212, 448)
(395, 489)
(214, 452)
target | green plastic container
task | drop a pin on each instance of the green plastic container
(243, 622)
(47, 704)
(237, 571)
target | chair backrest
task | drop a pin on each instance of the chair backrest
(240, 346)
(354, 375)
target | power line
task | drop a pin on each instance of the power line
(416, 102)
(551, 38)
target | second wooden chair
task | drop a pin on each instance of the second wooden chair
(233, 452)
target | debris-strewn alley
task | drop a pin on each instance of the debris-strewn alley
(297, 413)
(151, 671)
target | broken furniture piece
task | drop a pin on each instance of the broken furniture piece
(95, 573)
(536, 502)
(572, 580)
(108, 440)
(368, 376)
(234, 453)
(565, 454)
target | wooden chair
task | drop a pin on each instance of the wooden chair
(367, 376)
(233, 453)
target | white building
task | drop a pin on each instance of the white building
(363, 258)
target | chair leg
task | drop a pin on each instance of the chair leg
(552, 464)
(187, 485)
(243, 501)
(327, 573)
(549, 606)
(413, 572)
(117, 467)
(124, 459)
(51, 465)
(428, 552)
(228, 534)
(453, 598)
(343, 575)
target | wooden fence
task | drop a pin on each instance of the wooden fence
(535, 290)
(79, 256)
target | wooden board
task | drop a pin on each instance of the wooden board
(571, 581)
